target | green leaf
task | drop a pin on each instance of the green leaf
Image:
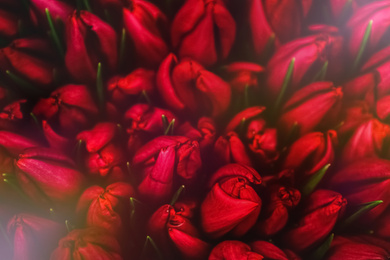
(363, 46)
(320, 252)
(54, 34)
(177, 195)
(286, 82)
(312, 183)
(363, 208)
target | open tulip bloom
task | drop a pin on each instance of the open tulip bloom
(194, 129)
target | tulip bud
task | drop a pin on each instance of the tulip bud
(310, 54)
(57, 141)
(282, 199)
(323, 209)
(188, 86)
(122, 89)
(144, 122)
(89, 243)
(367, 141)
(310, 107)
(34, 237)
(8, 24)
(232, 205)
(82, 58)
(374, 13)
(12, 115)
(233, 249)
(58, 10)
(142, 21)
(195, 27)
(355, 113)
(166, 162)
(204, 134)
(363, 181)
(230, 149)
(47, 176)
(171, 226)
(342, 248)
(106, 208)
(69, 109)
(30, 59)
(311, 152)
(244, 75)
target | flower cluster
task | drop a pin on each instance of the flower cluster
(194, 129)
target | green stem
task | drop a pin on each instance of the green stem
(363, 46)
(54, 33)
(312, 183)
(99, 86)
(177, 195)
(87, 6)
(122, 47)
(320, 252)
(149, 240)
(286, 82)
(365, 207)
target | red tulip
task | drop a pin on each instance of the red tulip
(232, 205)
(356, 26)
(30, 59)
(8, 24)
(367, 141)
(106, 208)
(122, 89)
(69, 109)
(171, 225)
(310, 55)
(324, 208)
(311, 152)
(188, 86)
(34, 237)
(310, 107)
(355, 113)
(82, 58)
(12, 115)
(363, 181)
(196, 26)
(282, 200)
(382, 225)
(282, 20)
(142, 21)
(230, 149)
(166, 162)
(343, 248)
(90, 243)
(47, 176)
(59, 10)
(204, 133)
(57, 141)
(244, 75)
(144, 122)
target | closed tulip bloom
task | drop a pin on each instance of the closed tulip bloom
(310, 54)
(142, 21)
(244, 75)
(282, 200)
(58, 9)
(69, 109)
(165, 163)
(187, 86)
(12, 115)
(368, 140)
(323, 209)
(123, 89)
(232, 205)
(205, 133)
(99, 136)
(144, 122)
(281, 20)
(34, 237)
(344, 248)
(232, 250)
(30, 59)
(356, 26)
(8, 24)
(311, 107)
(81, 57)
(196, 27)
(47, 176)
(364, 181)
(311, 152)
(87, 244)
(106, 207)
(230, 149)
(171, 225)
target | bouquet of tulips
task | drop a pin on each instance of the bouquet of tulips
(194, 129)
